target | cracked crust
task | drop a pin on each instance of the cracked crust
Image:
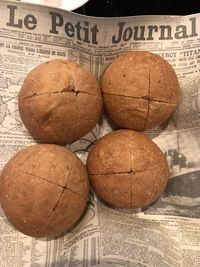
(139, 75)
(122, 107)
(71, 204)
(35, 182)
(127, 170)
(51, 102)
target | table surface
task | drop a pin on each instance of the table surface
(113, 8)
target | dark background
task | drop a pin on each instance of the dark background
(113, 8)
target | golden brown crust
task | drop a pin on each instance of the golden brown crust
(107, 151)
(139, 75)
(51, 101)
(77, 181)
(42, 159)
(58, 75)
(34, 183)
(164, 84)
(158, 113)
(126, 159)
(50, 117)
(113, 189)
(121, 78)
(88, 109)
(69, 205)
(147, 186)
(120, 108)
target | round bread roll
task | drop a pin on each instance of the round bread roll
(60, 102)
(140, 90)
(127, 170)
(44, 190)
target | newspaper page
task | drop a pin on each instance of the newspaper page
(164, 234)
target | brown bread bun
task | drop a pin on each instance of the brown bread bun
(140, 90)
(127, 170)
(60, 102)
(43, 190)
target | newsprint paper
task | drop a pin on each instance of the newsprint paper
(165, 234)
